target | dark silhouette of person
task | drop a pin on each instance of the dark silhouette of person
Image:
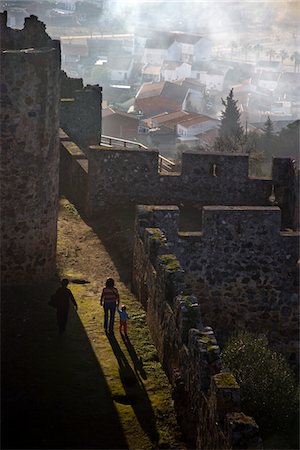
(63, 296)
(109, 300)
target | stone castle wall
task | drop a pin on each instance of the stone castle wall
(29, 152)
(80, 114)
(74, 162)
(241, 267)
(207, 402)
(131, 177)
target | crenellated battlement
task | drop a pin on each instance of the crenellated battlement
(240, 265)
(131, 177)
(80, 114)
(206, 400)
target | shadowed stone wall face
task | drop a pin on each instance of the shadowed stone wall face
(242, 269)
(131, 177)
(206, 401)
(74, 161)
(80, 115)
(30, 155)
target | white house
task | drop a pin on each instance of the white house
(120, 68)
(213, 79)
(193, 47)
(196, 126)
(269, 66)
(159, 49)
(268, 80)
(151, 73)
(281, 109)
(175, 70)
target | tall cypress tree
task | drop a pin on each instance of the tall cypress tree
(231, 131)
(268, 128)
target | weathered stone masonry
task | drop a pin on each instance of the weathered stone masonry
(131, 177)
(30, 74)
(80, 114)
(207, 402)
(242, 268)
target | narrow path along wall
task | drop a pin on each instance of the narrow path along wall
(30, 73)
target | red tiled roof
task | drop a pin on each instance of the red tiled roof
(171, 65)
(109, 112)
(151, 69)
(169, 120)
(150, 90)
(209, 136)
(156, 105)
(190, 121)
(166, 89)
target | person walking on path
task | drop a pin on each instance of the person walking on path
(110, 301)
(63, 296)
(123, 319)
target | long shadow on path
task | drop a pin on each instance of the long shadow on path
(136, 394)
(137, 361)
(54, 393)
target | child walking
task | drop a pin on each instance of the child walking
(123, 319)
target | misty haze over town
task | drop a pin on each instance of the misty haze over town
(166, 67)
(191, 53)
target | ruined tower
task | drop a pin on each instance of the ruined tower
(30, 75)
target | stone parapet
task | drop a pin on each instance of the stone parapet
(132, 177)
(80, 115)
(188, 351)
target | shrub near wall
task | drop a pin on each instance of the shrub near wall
(268, 387)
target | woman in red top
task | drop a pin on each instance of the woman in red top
(109, 300)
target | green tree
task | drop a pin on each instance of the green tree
(289, 139)
(271, 53)
(100, 75)
(258, 48)
(296, 58)
(268, 128)
(233, 46)
(246, 48)
(268, 387)
(231, 134)
(283, 55)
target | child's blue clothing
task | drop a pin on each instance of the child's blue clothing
(123, 315)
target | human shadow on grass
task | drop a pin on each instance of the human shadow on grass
(54, 393)
(137, 361)
(136, 394)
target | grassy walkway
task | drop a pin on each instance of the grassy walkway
(82, 390)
